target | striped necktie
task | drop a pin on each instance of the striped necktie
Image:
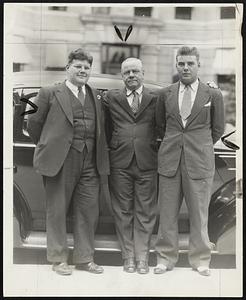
(135, 102)
(185, 109)
(81, 96)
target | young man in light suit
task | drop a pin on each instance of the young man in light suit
(190, 116)
(71, 154)
(133, 162)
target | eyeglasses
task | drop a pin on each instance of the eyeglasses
(228, 143)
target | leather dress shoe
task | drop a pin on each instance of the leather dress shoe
(62, 268)
(204, 271)
(90, 267)
(142, 267)
(129, 265)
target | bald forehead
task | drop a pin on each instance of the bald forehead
(135, 62)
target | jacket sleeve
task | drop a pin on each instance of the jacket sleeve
(160, 116)
(217, 115)
(36, 121)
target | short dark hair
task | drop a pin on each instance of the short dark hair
(184, 50)
(81, 55)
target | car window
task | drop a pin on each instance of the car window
(27, 94)
(30, 97)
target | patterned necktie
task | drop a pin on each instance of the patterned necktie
(185, 109)
(135, 102)
(81, 96)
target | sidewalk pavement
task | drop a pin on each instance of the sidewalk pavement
(40, 280)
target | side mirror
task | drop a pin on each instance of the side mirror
(228, 143)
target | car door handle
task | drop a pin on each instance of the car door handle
(15, 168)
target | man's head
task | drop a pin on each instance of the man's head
(132, 73)
(79, 67)
(187, 64)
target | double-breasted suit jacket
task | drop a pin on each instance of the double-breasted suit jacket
(51, 128)
(204, 127)
(130, 134)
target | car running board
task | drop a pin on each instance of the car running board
(109, 243)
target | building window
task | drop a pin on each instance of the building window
(227, 85)
(183, 13)
(227, 12)
(143, 11)
(18, 67)
(60, 8)
(55, 56)
(101, 10)
(114, 54)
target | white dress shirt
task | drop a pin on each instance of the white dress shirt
(74, 89)
(131, 96)
(193, 88)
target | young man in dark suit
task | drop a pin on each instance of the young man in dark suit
(190, 116)
(71, 154)
(133, 162)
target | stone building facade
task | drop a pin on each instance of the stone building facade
(41, 35)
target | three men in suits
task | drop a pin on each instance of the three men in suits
(133, 162)
(71, 155)
(190, 116)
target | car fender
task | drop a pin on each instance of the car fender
(222, 217)
(22, 213)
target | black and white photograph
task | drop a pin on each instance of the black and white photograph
(122, 150)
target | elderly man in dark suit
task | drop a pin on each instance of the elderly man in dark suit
(190, 116)
(71, 154)
(133, 161)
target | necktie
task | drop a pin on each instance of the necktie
(185, 109)
(81, 96)
(135, 102)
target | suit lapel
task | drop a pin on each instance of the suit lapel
(97, 105)
(63, 96)
(202, 96)
(172, 102)
(146, 99)
(122, 100)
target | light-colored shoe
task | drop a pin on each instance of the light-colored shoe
(160, 269)
(204, 271)
(62, 268)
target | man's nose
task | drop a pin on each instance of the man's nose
(186, 66)
(131, 73)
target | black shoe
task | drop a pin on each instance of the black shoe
(142, 267)
(90, 267)
(129, 265)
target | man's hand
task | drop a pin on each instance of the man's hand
(212, 84)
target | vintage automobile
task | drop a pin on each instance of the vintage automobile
(29, 195)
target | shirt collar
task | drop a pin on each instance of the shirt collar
(139, 91)
(193, 86)
(73, 87)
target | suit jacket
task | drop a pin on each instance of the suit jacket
(128, 133)
(51, 128)
(204, 127)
